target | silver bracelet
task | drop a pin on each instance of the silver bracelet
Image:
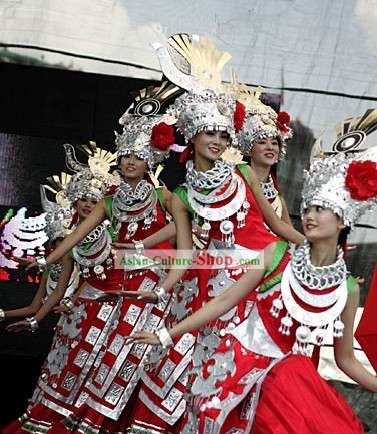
(164, 337)
(162, 296)
(2, 315)
(67, 302)
(139, 246)
(33, 323)
(41, 261)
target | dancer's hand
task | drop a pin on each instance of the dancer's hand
(126, 246)
(143, 338)
(349, 248)
(147, 296)
(27, 262)
(18, 326)
(61, 309)
(114, 295)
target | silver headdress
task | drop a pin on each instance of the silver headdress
(345, 182)
(355, 134)
(90, 180)
(195, 65)
(260, 121)
(147, 133)
(58, 212)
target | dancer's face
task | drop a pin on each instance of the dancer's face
(210, 145)
(133, 167)
(320, 223)
(84, 206)
(265, 152)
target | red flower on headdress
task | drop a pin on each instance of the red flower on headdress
(361, 179)
(239, 116)
(162, 136)
(282, 121)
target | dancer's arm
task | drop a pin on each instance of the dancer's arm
(166, 197)
(285, 213)
(183, 254)
(343, 347)
(63, 308)
(52, 300)
(277, 225)
(218, 305)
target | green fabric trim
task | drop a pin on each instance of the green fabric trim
(279, 253)
(30, 426)
(74, 427)
(113, 219)
(182, 193)
(113, 236)
(109, 204)
(351, 283)
(243, 170)
(271, 283)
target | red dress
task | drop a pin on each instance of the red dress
(97, 373)
(253, 383)
(163, 394)
(114, 377)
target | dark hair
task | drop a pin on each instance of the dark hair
(342, 240)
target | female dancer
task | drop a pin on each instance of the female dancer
(220, 199)
(52, 396)
(261, 137)
(136, 204)
(299, 294)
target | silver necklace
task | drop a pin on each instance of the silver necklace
(306, 300)
(317, 277)
(268, 188)
(209, 179)
(200, 202)
(126, 199)
(100, 240)
(332, 303)
(131, 206)
(217, 214)
(84, 261)
(93, 236)
(213, 196)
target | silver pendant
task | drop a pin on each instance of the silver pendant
(131, 229)
(226, 227)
